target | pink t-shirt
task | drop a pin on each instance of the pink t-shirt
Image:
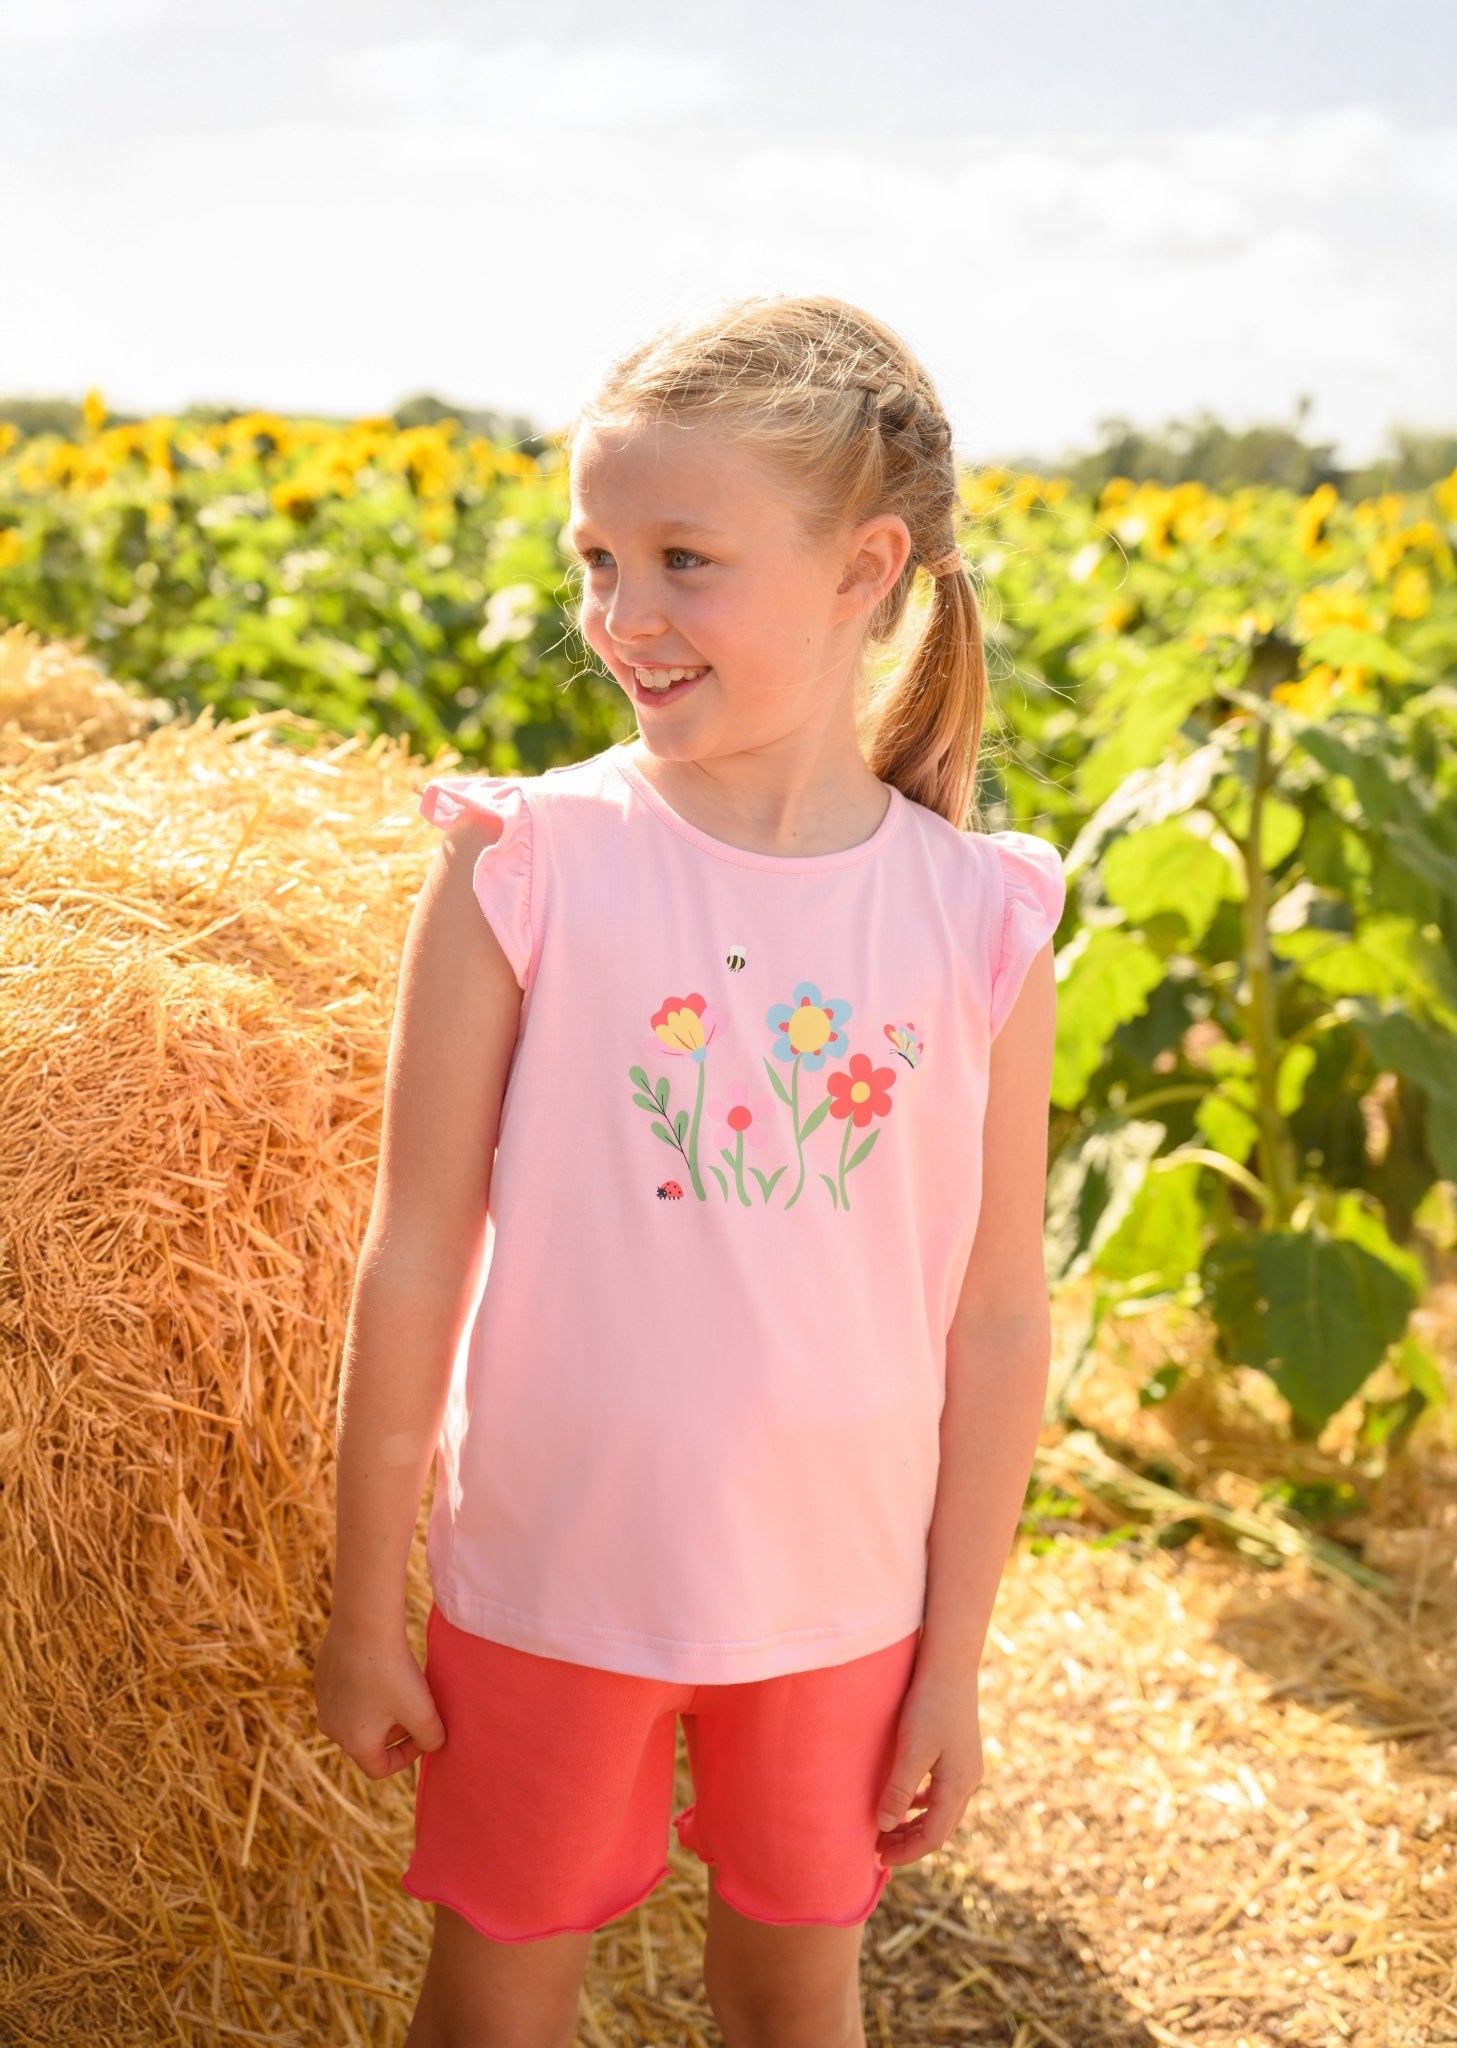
(692, 1431)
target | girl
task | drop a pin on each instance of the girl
(725, 1057)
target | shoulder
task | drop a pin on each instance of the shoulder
(986, 863)
(1032, 874)
(516, 801)
(1034, 891)
(498, 802)
(1014, 861)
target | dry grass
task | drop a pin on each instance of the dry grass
(1219, 1798)
(57, 704)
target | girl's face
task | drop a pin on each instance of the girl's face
(692, 560)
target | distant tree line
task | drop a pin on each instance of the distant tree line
(1203, 450)
(1200, 449)
(508, 430)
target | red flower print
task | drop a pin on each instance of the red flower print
(863, 1092)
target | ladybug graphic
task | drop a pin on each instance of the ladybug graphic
(670, 1192)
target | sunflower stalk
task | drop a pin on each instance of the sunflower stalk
(1081, 1465)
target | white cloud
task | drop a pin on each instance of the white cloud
(529, 87)
(52, 21)
(1048, 280)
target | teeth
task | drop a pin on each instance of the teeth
(663, 678)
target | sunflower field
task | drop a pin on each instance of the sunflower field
(1235, 715)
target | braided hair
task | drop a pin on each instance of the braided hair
(843, 413)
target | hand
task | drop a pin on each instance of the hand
(370, 1696)
(939, 1736)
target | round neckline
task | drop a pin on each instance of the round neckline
(744, 856)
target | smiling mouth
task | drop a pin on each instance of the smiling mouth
(664, 682)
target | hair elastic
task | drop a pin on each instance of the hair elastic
(946, 565)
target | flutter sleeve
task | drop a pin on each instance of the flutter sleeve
(1034, 890)
(502, 876)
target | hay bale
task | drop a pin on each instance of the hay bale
(199, 947)
(1219, 1807)
(58, 705)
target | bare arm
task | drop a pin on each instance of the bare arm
(455, 1028)
(999, 1349)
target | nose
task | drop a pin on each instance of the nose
(633, 613)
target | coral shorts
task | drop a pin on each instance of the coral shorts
(546, 1809)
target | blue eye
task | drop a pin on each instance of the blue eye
(588, 553)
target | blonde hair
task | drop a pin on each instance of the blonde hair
(841, 411)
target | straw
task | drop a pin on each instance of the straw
(1219, 1795)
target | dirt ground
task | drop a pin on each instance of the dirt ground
(1220, 1801)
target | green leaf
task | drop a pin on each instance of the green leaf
(1390, 1422)
(1424, 1057)
(1225, 1116)
(1395, 804)
(1297, 1064)
(680, 1124)
(722, 1183)
(1357, 1219)
(1353, 647)
(1106, 977)
(1138, 712)
(1389, 957)
(1167, 788)
(1420, 1370)
(1282, 828)
(778, 1086)
(726, 1154)
(829, 1181)
(1094, 1186)
(816, 1117)
(664, 1088)
(662, 1131)
(1314, 1311)
(1171, 869)
(862, 1150)
(645, 1102)
(766, 1187)
(639, 1074)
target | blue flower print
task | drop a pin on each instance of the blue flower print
(807, 1032)
(809, 1029)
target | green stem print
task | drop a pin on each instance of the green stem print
(686, 1025)
(657, 1104)
(790, 1098)
(844, 1148)
(848, 1165)
(807, 1032)
(693, 1135)
(791, 1102)
(798, 1133)
(736, 1162)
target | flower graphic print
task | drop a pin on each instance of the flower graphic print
(805, 1034)
(809, 1028)
(740, 1118)
(858, 1097)
(686, 1026)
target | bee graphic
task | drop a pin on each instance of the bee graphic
(670, 1192)
(735, 959)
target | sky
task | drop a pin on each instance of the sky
(1140, 209)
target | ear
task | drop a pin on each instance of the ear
(875, 553)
